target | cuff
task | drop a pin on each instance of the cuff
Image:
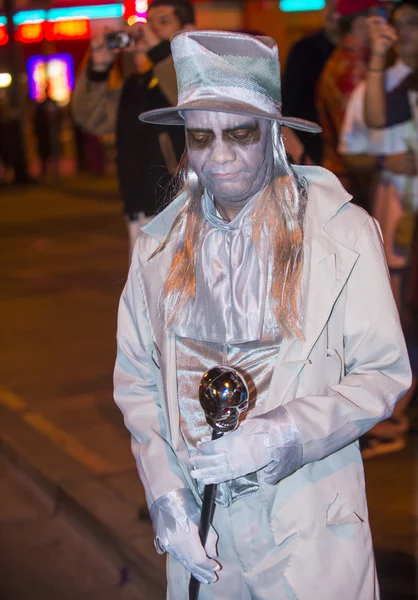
(159, 52)
(284, 447)
(171, 511)
(97, 76)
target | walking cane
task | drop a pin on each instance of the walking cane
(223, 395)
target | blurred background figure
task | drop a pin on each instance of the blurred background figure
(346, 67)
(14, 164)
(47, 129)
(146, 156)
(305, 62)
(379, 134)
(379, 137)
(4, 117)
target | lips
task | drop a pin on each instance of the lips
(224, 175)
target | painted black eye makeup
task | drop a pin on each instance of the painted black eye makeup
(243, 135)
(199, 138)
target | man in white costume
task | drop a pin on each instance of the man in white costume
(270, 270)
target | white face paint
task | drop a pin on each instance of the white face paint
(231, 154)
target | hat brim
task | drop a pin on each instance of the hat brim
(172, 115)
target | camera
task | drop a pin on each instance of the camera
(118, 40)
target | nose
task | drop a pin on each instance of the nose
(222, 152)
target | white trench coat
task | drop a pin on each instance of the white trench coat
(345, 376)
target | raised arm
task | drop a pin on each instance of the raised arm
(382, 37)
(94, 103)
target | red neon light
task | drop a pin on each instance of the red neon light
(4, 38)
(28, 33)
(74, 29)
(129, 9)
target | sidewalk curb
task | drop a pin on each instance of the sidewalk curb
(133, 566)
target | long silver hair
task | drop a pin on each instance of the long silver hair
(277, 236)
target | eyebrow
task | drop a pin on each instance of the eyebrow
(249, 126)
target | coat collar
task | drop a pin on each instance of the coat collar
(327, 265)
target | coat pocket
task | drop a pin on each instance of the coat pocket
(341, 513)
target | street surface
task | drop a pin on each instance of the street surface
(44, 555)
(63, 263)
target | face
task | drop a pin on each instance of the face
(231, 154)
(405, 21)
(163, 21)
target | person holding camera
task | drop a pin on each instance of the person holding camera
(379, 139)
(146, 157)
(344, 70)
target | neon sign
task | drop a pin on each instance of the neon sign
(301, 5)
(100, 11)
(135, 11)
(54, 73)
(74, 29)
(104, 11)
(4, 38)
(30, 32)
(29, 16)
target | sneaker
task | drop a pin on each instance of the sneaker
(372, 446)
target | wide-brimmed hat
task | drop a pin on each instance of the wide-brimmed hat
(226, 72)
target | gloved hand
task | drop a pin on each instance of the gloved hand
(270, 439)
(175, 518)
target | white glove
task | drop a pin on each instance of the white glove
(175, 518)
(270, 438)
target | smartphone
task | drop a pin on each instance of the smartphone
(118, 40)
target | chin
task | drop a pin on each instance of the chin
(231, 197)
(230, 187)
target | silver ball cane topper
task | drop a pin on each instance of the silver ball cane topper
(223, 395)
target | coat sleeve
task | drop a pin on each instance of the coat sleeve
(166, 74)
(377, 370)
(138, 394)
(95, 105)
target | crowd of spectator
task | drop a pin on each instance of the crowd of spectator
(363, 91)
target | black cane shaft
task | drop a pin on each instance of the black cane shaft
(206, 517)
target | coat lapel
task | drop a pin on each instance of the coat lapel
(153, 274)
(327, 266)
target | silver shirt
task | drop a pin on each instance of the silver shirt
(227, 325)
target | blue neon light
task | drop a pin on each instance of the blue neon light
(301, 5)
(105, 11)
(25, 16)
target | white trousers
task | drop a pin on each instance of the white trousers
(252, 564)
